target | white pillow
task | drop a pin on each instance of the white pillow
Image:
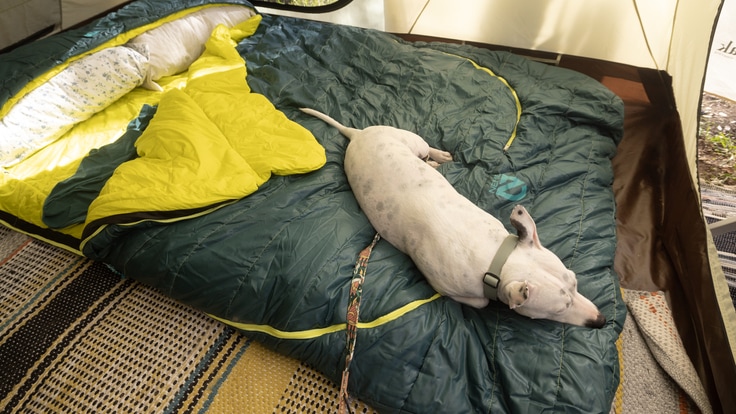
(175, 45)
(82, 89)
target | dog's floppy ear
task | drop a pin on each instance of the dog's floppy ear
(525, 227)
(517, 293)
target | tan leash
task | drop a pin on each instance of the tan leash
(356, 292)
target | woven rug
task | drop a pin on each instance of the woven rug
(75, 337)
(656, 374)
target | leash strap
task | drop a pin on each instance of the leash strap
(356, 291)
(492, 277)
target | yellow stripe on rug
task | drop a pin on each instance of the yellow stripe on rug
(255, 382)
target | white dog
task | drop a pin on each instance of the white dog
(453, 242)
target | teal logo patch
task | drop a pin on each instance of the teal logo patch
(508, 187)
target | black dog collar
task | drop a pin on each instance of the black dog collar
(492, 277)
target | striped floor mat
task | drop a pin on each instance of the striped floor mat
(75, 337)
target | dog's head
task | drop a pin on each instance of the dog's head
(535, 283)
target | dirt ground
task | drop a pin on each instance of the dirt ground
(717, 142)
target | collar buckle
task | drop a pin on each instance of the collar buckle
(491, 279)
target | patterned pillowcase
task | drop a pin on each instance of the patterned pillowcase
(82, 89)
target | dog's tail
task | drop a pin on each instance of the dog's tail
(348, 132)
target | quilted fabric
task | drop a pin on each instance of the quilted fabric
(208, 144)
(277, 264)
(25, 185)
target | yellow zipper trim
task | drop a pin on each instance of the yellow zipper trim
(44, 239)
(100, 229)
(513, 93)
(317, 332)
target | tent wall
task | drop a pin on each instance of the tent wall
(76, 11)
(20, 19)
(722, 62)
(688, 54)
(607, 30)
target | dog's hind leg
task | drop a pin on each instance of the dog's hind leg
(439, 156)
(421, 148)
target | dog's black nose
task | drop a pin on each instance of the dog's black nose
(598, 322)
